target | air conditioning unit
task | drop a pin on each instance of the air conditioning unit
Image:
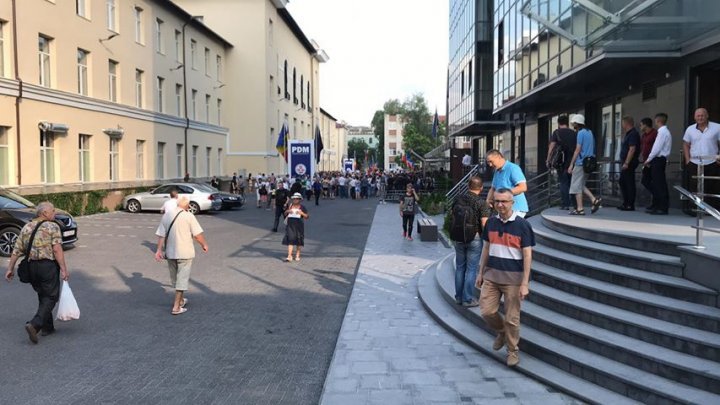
(53, 127)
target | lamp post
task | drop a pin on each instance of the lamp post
(185, 89)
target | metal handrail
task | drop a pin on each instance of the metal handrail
(461, 186)
(698, 198)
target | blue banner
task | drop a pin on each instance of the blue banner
(348, 165)
(301, 160)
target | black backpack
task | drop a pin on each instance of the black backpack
(557, 157)
(463, 221)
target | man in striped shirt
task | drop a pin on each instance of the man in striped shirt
(505, 271)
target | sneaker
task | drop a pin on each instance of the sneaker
(513, 358)
(458, 301)
(470, 304)
(404, 234)
(410, 238)
(499, 342)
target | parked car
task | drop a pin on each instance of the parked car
(201, 199)
(229, 200)
(16, 211)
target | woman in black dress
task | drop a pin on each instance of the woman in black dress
(295, 214)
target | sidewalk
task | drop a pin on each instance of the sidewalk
(390, 351)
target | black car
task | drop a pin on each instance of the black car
(16, 211)
(229, 200)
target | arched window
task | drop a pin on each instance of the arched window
(302, 91)
(295, 100)
(287, 94)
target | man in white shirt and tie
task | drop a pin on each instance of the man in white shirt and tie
(657, 161)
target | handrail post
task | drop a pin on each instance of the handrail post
(700, 212)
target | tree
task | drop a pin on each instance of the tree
(356, 149)
(378, 125)
(420, 143)
(415, 112)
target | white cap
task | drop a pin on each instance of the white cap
(297, 195)
(578, 119)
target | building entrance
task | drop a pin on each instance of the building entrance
(707, 90)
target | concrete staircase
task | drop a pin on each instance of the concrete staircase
(609, 319)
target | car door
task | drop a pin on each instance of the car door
(156, 198)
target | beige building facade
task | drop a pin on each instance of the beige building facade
(334, 137)
(274, 79)
(394, 128)
(98, 96)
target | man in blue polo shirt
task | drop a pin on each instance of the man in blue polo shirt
(508, 175)
(505, 272)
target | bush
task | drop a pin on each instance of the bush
(81, 203)
(433, 204)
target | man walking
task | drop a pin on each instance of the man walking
(585, 147)
(170, 204)
(468, 216)
(648, 139)
(281, 198)
(657, 161)
(629, 159)
(45, 258)
(562, 145)
(175, 237)
(701, 141)
(505, 272)
(507, 175)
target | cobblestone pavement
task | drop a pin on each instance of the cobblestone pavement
(257, 330)
(390, 351)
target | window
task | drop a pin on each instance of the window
(207, 61)
(470, 76)
(302, 91)
(4, 156)
(219, 162)
(84, 158)
(82, 74)
(207, 108)
(194, 104)
(194, 160)
(270, 33)
(47, 157)
(160, 160)
(179, 98)
(112, 80)
(2, 50)
(309, 103)
(114, 158)
(111, 16)
(44, 60)
(140, 159)
(138, 12)
(160, 96)
(285, 74)
(179, 159)
(178, 46)
(208, 151)
(294, 93)
(159, 46)
(138, 88)
(218, 67)
(219, 112)
(193, 51)
(81, 8)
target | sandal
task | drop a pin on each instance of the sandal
(297, 258)
(596, 205)
(183, 303)
(577, 212)
(288, 259)
(180, 311)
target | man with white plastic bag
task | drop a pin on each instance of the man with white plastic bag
(46, 265)
(67, 307)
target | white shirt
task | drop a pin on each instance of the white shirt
(169, 205)
(341, 181)
(703, 143)
(180, 240)
(466, 160)
(663, 144)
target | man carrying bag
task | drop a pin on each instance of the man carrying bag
(44, 257)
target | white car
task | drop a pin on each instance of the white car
(201, 198)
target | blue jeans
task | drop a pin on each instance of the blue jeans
(467, 259)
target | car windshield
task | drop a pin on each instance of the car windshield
(205, 187)
(8, 199)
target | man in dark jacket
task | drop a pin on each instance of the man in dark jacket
(281, 198)
(629, 152)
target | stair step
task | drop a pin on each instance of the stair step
(650, 282)
(692, 341)
(627, 380)
(434, 301)
(669, 309)
(683, 368)
(639, 259)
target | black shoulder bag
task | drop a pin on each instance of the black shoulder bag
(24, 266)
(167, 233)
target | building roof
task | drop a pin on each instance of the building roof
(328, 114)
(196, 23)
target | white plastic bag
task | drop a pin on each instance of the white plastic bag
(67, 307)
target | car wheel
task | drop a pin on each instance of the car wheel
(133, 206)
(194, 208)
(8, 236)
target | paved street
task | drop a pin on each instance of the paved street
(257, 330)
(390, 351)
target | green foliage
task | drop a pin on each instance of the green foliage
(432, 204)
(378, 125)
(81, 203)
(416, 141)
(356, 148)
(393, 107)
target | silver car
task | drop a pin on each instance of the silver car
(201, 198)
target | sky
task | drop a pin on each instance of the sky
(378, 49)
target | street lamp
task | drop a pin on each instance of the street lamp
(184, 68)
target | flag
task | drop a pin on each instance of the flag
(318, 144)
(282, 142)
(409, 161)
(436, 123)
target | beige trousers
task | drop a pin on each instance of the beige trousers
(490, 306)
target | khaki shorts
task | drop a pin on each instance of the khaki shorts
(577, 182)
(180, 273)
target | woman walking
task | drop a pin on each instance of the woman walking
(408, 209)
(295, 213)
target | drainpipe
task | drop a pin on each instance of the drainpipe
(185, 89)
(18, 98)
